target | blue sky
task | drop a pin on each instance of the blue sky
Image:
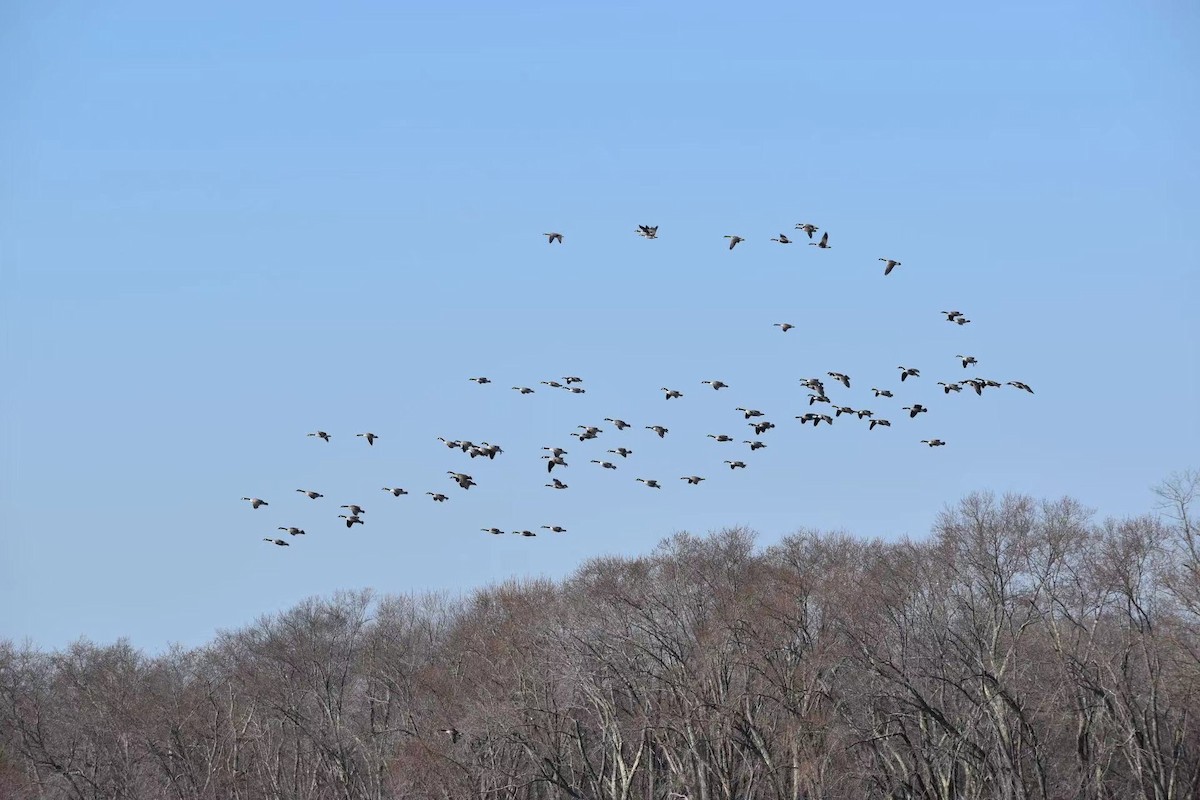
(224, 227)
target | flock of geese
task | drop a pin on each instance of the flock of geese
(555, 456)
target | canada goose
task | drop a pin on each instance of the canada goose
(962, 321)
(255, 502)
(905, 372)
(462, 479)
(754, 445)
(950, 387)
(553, 384)
(354, 509)
(933, 442)
(807, 227)
(1020, 385)
(291, 531)
(844, 410)
(572, 379)
(583, 437)
(977, 385)
(761, 427)
(717, 384)
(659, 429)
(438, 497)
(914, 409)
(370, 437)
(818, 398)
(749, 412)
(351, 520)
(453, 444)
(881, 392)
(653, 484)
(815, 419)
(950, 315)
(453, 732)
(784, 326)
(890, 264)
(556, 451)
(882, 422)
(864, 413)
(968, 360)
(525, 533)
(555, 483)
(783, 239)
(321, 435)
(491, 451)
(693, 480)
(551, 238)
(465, 445)
(279, 542)
(523, 389)
(619, 424)
(396, 492)
(604, 464)
(720, 437)
(736, 464)
(623, 452)
(576, 390)
(733, 240)
(647, 231)
(551, 461)
(671, 392)
(992, 383)
(555, 528)
(481, 381)
(310, 493)
(591, 429)
(837, 376)
(493, 532)
(813, 383)
(823, 244)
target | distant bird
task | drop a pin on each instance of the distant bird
(255, 502)
(783, 239)
(653, 484)
(1020, 385)
(553, 237)
(555, 483)
(452, 732)
(807, 227)
(453, 444)
(717, 384)
(749, 412)
(818, 398)
(525, 533)
(321, 435)
(837, 376)
(354, 509)
(552, 461)
(310, 493)
(733, 240)
(604, 464)
(815, 419)
(647, 231)
(950, 315)
(784, 326)
(864, 413)
(843, 410)
(881, 392)
(351, 520)
(890, 264)
(583, 437)
(993, 384)
(968, 360)
(619, 424)
(462, 479)
(672, 392)
(694, 480)
(555, 528)
(291, 531)
(754, 445)
(481, 380)
(623, 452)
(962, 320)
(823, 244)
(906, 372)
(761, 427)
(370, 437)
(882, 422)
(933, 442)
(556, 451)
(736, 464)
(279, 542)
(813, 383)
(523, 389)
(396, 492)
(576, 390)
(659, 429)
(493, 532)
(438, 497)
(720, 437)
(977, 385)
(572, 379)
(591, 430)
(914, 409)
(553, 384)
(950, 387)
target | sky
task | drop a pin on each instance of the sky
(225, 226)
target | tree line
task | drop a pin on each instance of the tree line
(1024, 650)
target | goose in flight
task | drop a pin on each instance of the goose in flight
(493, 532)
(951, 315)
(761, 427)
(933, 442)
(650, 482)
(279, 542)
(905, 372)
(967, 360)
(438, 497)
(453, 444)
(551, 238)
(462, 479)
(555, 528)
(590, 430)
(975, 384)
(576, 390)
(480, 380)
(693, 480)
(807, 227)
(882, 422)
(659, 429)
(553, 384)
(950, 387)
(716, 384)
(754, 445)
(881, 392)
(370, 437)
(823, 244)
(310, 494)
(583, 437)
(1019, 385)
(256, 502)
(523, 389)
(604, 464)
(863, 413)
(525, 533)
(890, 264)
(321, 435)
(619, 424)
(623, 452)
(813, 383)
(914, 409)
(843, 410)
(749, 412)
(782, 239)
(351, 520)
(784, 326)
(733, 240)
(396, 491)
(962, 320)
(572, 379)
(815, 419)
(671, 392)
(647, 231)
(556, 451)
(551, 461)
(291, 531)
(720, 437)
(837, 376)
(736, 464)
(555, 483)
(818, 398)
(354, 509)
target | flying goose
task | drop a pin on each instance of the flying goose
(619, 424)
(807, 227)
(551, 461)
(321, 435)
(818, 398)
(523, 389)
(354, 509)
(933, 442)
(351, 520)
(370, 437)
(749, 412)
(659, 429)
(396, 491)
(962, 320)
(837, 376)
(493, 532)
(553, 237)
(453, 444)
(647, 231)
(736, 464)
(733, 240)
(754, 445)
(905, 372)
(255, 502)
(761, 427)
(815, 419)
(310, 493)
(553, 384)
(914, 409)
(572, 379)
(576, 390)
(950, 387)
(823, 244)
(591, 430)
(555, 528)
(717, 384)
(583, 437)
(863, 413)
(555, 483)
(890, 264)
(783, 239)
(882, 422)
(968, 360)
(720, 437)
(438, 497)
(604, 464)
(992, 383)
(784, 326)
(1020, 385)
(279, 542)
(525, 533)
(881, 392)
(671, 392)
(462, 479)
(844, 410)
(291, 531)
(650, 482)
(694, 480)
(481, 380)
(623, 452)
(950, 315)
(813, 383)
(977, 385)
(556, 451)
